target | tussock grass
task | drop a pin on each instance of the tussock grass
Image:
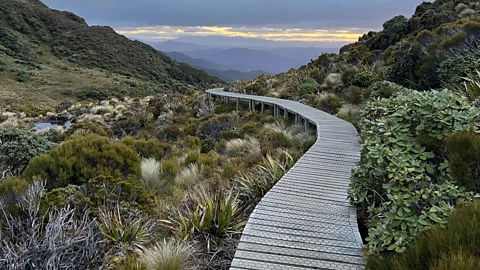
(169, 255)
(189, 176)
(151, 174)
(239, 147)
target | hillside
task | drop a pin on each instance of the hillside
(44, 46)
(434, 48)
(196, 62)
(221, 71)
(248, 59)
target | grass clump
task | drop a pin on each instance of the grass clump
(151, 174)
(169, 255)
(189, 176)
(240, 147)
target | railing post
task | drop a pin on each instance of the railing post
(237, 104)
(285, 113)
(306, 125)
(275, 110)
(296, 119)
(263, 107)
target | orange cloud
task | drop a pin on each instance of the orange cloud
(278, 34)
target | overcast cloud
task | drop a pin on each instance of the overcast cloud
(307, 16)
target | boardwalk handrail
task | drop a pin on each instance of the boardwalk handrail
(305, 221)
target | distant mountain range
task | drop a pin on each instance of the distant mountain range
(269, 59)
(223, 72)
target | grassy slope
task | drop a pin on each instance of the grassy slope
(64, 56)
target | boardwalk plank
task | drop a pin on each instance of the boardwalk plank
(305, 221)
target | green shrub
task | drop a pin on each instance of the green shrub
(254, 89)
(449, 248)
(92, 95)
(363, 79)
(348, 77)
(193, 142)
(19, 147)
(354, 95)
(124, 232)
(172, 132)
(83, 158)
(453, 69)
(464, 156)
(329, 103)
(396, 174)
(3, 118)
(151, 148)
(192, 158)
(249, 128)
(170, 167)
(278, 139)
(318, 75)
(22, 76)
(307, 88)
(88, 127)
(12, 187)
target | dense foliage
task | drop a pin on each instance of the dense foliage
(83, 158)
(452, 247)
(19, 147)
(402, 181)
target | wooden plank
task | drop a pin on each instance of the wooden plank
(305, 221)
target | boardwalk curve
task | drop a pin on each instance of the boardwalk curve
(305, 221)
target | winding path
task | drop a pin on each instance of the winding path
(305, 221)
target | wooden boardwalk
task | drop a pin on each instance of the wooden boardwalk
(305, 221)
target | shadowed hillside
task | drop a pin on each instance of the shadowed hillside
(35, 39)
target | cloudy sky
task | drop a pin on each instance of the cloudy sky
(312, 22)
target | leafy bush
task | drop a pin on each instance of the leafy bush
(151, 148)
(101, 192)
(329, 103)
(83, 158)
(395, 29)
(307, 88)
(11, 188)
(249, 128)
(354, 95)
(19, 147)
(453, 69)
(453, 246)
(464, 156)
(22, 76)
(318, 75)
(403, 187)
(169, 255)
(170, 167)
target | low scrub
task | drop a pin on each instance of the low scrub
(399, 184)
(452, 246)
(83, 158)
